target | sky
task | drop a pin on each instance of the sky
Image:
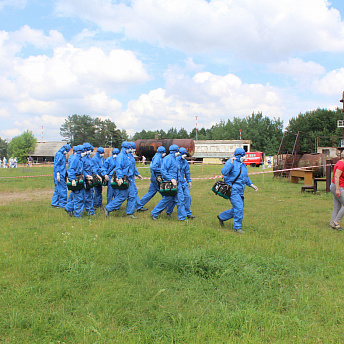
(157, 64)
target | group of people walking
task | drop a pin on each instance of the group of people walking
(87, 175)
(119, 170)
(12, 163)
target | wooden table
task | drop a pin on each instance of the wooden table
(307, 175)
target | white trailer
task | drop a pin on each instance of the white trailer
(221, 149)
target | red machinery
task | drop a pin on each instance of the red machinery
(254, 159)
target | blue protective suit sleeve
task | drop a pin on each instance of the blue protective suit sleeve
(59, 163)
(186, 170)
(156, 163)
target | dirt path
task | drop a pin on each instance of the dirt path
(26, 196)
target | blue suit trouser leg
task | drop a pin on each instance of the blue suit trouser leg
(98, 196)
(164, 202)
(187, 200)
(89, 201)
(109, 193)
(179, 199)
(152, 190)
(132, 198)
(55, 199)
(116, 203)
(76, 202)
(236, 212)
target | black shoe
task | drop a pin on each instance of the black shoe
(142, 209)
(70, 213)
(221, 222)
(191, 216)
(153, 217)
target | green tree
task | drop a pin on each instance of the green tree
(319, 123)
(183, 134)
(144, 135)
(172, 133)
(21, 146)
(3, 148)
(78, 129)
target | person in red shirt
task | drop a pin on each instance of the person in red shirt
(337, 188)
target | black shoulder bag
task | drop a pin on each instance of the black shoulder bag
(222, 189)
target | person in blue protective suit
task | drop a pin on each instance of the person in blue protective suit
(123, 165)
(98, 163)
(134, 172)
(74, 171)
(169, 171)
(233, 168)
(69, 160)
(89, 171)
(155, 168)
(109, 168)
(60, 172)
(185, 182)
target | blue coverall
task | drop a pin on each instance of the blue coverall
(169, 171)
(98, 163)
(185, 179)
(88, 170)
(70, 198)
(59, 198)
(230, 171)
(122, 169)
(132, 185)
(155, 168)
(109, 168)
(77, 203)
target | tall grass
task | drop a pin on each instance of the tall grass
(119, 280)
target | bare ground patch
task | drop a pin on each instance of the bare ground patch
(25, 196)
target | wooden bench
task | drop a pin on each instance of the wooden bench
(307, 187)
(316, 180)
(307, 175)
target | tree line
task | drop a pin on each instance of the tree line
(265, 133)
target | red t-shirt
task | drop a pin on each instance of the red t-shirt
(340, 166)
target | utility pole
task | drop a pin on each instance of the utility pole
(196, 128)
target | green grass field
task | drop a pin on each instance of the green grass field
(120, 280)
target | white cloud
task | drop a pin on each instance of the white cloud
(4, 113)
(9, 133)
(27, 35)
(101, 103)
(73, 72)
(298, 68)
(255, 29)
(13, 3)
(331, 84)
(220, 97)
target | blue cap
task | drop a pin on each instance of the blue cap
(115, 151)
(173, 148)
(67, 147)
(161, 149)
(132, 144)
(79, 148)
(100, 150)
(240, 152)
(183, 150)
(125, 144)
